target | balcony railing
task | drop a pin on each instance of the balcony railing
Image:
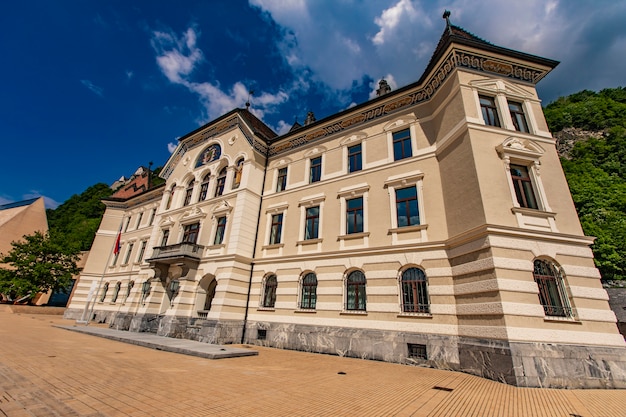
(179, 250)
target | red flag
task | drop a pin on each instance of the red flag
(117, 247)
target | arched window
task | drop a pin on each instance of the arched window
(238, 173)
(355, 291)
(221, 181)
(170, 197)
(269, 291)
(414, 291)
(116, 292)
(105, 288)
(552, 295)
(204, 187)
(188, 193)
(309, 292)
(210, 154)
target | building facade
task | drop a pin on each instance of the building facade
(431, 225)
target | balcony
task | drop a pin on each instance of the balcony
(171, 254)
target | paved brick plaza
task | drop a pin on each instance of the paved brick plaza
(48, 371)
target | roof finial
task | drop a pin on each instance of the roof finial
(446, 15)
(250, 93)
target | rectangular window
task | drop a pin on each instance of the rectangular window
(489, 111)
(127, 224)
(402, 145)
(152, 214)
(518, 117)
(281, 184)
(130, 249)
(219, 232)
(523, 187)
(406, 207)
(142, 250)
(354, 215)
(165, 237)
(316, 169)
(311, 229)
(277, 228)
(355, 162)
(190, 234)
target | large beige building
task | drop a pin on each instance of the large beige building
(431, 225)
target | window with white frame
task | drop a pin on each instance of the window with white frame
(220, 230)
(269, 291)
(402, 144)
(355, 158)
(142, 250)
(489, 110)
(552, 293)
(220, 182)
(281, 179)
(128, 252)
(165, 237)
(406, 200)
(204, 187)
(311, 221)
(522, 162)
(276, 229)
(355, 291)
(189, 193)
(190, 233)
(353, 202)
(308, 291)
(414, 289)
(315, 171)
(518, 116)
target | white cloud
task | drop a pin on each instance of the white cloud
(47, 201)
(94, 88)
(178, 57)
(5, 200)
(390, 18)
(129, 74)
(171, 147)
(282, 128)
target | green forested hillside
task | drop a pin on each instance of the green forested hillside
(77, 219)
(596, 170)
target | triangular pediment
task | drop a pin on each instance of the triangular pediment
(497, 86)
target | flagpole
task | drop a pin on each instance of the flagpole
(92, 300)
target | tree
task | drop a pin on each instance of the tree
(38, 263)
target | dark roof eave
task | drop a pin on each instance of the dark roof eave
(486, 46)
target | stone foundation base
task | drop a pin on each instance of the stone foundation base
(520, 364)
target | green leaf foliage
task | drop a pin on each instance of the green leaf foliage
(38, 263)
(596, 171)
(78, 219)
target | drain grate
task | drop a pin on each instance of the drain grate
(443, 388)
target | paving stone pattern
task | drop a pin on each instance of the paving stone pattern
(49, 371)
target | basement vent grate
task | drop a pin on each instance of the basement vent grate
(417, 351)
(261, 334)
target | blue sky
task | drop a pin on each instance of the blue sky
(93, 89)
